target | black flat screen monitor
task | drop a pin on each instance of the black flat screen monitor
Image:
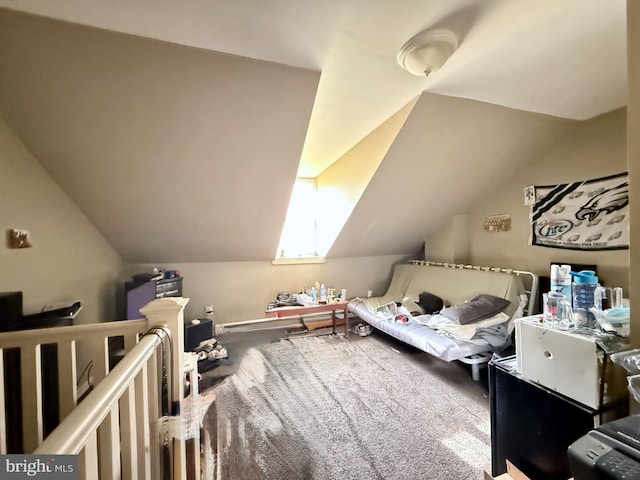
(10, 311)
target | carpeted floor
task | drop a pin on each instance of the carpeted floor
(327, 408)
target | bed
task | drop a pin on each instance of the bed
(449, 338)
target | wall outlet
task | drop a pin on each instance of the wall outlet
(208, 309)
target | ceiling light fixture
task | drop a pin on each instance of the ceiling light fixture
(427, 51)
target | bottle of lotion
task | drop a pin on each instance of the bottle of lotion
(561, 280)
(323, 293)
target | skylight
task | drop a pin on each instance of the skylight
(320, 207)
(299, 239)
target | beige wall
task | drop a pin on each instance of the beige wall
(594, 148)
(241, 290)
(440, 245)
(633, 133)
(450, 243)
(69, 259)
(341, 185)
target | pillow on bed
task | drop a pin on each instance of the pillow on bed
(479, 307)
(430, 303)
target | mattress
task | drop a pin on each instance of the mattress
(422, 337)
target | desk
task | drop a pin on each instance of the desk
(281, 312)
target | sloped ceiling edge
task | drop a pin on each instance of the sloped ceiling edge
(176, 154)
(449, 152)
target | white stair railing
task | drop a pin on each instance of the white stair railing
(111, 427)
(114, 430)
(28, 345)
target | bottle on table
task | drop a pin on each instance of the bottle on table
(561, 279)
(583, 288)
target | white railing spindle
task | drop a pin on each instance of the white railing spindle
(31, 385)
(153, 389)
(67, 377)
(142, 423)
(88, 458)
(128, 434)
(100, 346)
(109, 441)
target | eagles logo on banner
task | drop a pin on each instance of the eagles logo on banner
(588, 215)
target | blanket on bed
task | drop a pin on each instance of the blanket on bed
(490, 330)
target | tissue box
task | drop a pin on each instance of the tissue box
(569, 363)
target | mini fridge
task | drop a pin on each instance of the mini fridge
(533, 426)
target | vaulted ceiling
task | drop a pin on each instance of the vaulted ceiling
(178, 128)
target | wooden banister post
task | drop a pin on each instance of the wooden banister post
(169, 312)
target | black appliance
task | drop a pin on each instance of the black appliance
(196, 332)
(611, 451)
(56, 317)
(533, 426)
(10, 311)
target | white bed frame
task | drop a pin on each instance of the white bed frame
(531, 290)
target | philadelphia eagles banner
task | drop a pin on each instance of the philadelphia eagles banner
(587, 215)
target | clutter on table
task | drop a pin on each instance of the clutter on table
(584, 304)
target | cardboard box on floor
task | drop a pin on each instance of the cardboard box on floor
(513, 473)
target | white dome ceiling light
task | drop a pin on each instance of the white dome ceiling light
(427, 51)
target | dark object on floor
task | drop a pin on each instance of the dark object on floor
(197, 331)
(362, 329)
